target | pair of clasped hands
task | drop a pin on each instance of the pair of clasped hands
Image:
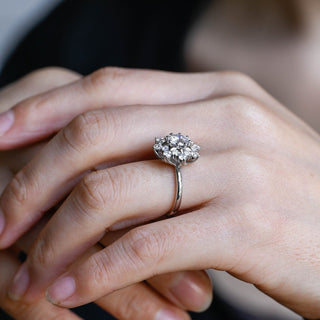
(89, 203)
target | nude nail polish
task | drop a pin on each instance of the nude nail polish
(61, 290)
(6, 122)
(20, 284)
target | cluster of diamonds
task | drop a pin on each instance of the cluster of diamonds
(176, 149)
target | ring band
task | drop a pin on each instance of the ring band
(177, 150)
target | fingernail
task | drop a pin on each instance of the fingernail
(20, 284)
(61, 290)
(192, 288)
(166, 314)
(6, 121)
(2, 221)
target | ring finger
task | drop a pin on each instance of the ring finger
(111, 199)
(103, 136)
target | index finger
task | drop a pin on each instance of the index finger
(40, 116)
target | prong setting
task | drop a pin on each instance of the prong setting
(176, 149)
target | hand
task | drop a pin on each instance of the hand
(40, 310)
(186, 290)
(246, 211)
(33, 83)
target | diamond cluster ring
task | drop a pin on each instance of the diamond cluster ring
(177, 150)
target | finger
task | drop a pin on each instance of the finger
(40, 116)
(135, 302)
(106, 198)
(18, 310)
(139, 301)
(161, 247)
(190, 290)
(99, 137)
(187, 290)
(91, 139)
(34, 83)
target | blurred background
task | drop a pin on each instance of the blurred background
(17, 17)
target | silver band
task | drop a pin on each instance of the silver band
(177, 150)
(178, 198)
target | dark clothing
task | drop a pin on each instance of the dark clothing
(85, 35)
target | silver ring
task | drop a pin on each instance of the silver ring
(177, 150)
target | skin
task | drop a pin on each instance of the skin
(250, 205)
(170, 293)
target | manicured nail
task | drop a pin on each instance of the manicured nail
(2, 221)
(166, 314)
(20, 284)
(61, 290)
(6, 121)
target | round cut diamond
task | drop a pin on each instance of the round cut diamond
(173, 140)
(184, 139)
(187, 152)
(180, 145)
(167, 154)
(183, 157)
(176, 149)
(157, 146)
(195, 148)
(195, 155)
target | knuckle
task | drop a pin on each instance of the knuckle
(18, 191)
(99, 190)
(115, 181)
(146, 246)
(42, 254)
(132, 305)
(239, 105)
(87, 130)
(248, 115)
(128, 308)
(100, 269)
(105, 77)
(92, 191)
(27, 107)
